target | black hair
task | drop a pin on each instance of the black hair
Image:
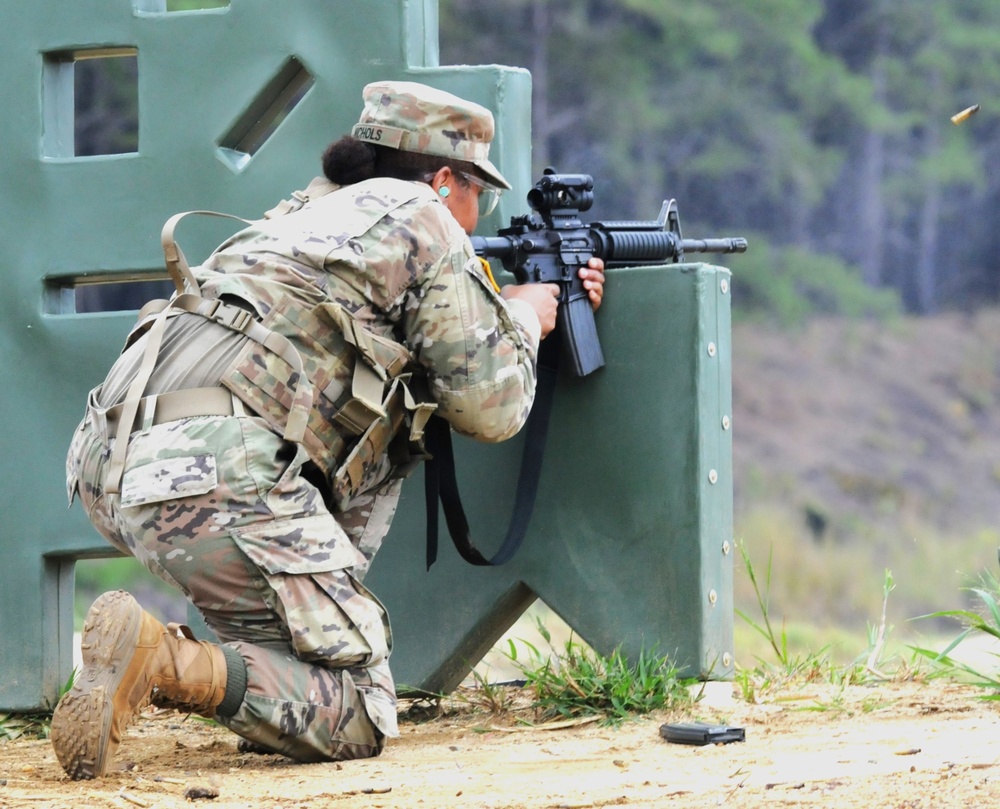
(350, 160)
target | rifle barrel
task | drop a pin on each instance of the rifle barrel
(623, 247)
(729, 245)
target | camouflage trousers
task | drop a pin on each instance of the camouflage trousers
(219, 508)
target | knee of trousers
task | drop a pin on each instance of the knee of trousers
(308, 713)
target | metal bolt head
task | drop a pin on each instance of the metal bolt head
(712, 597)
(713, 476)
(727, 659)
(724, 286)
(726, 547)
(711, 349)
(725, 422)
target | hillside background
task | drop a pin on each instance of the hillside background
(864, 446)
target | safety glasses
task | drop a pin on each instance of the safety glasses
(489, 195)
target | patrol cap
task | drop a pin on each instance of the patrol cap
(413, 117)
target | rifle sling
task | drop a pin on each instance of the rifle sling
(440, 483)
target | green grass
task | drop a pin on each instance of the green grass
(496, 698)
(782, 667)
(578, 682)
(980, 623)
(834, 586)
(824, 600)
(24, 726)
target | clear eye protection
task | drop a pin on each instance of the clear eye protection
(489, 195)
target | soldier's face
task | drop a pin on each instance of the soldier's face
(463, 202)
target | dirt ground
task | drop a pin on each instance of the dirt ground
(931, 744)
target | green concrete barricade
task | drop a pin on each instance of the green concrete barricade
(631, 538)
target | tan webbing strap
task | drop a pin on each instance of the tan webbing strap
(369, 387)
(376, 439)
(240, 320)
(177, 404)
(319, 187)
(421, 412)
(380, 433)
(232, 317)
(153, 307)
(359, 337)
(130, 407)
(145, 320)
(182, 404)
(177, 265)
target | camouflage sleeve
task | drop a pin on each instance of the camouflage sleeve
(479, 351)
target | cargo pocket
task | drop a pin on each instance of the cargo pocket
(168, 479)
(332, 620)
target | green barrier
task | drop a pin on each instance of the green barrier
(630, 539)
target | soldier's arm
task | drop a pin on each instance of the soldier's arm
(479, 350)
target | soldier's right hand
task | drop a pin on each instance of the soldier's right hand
(543, 298)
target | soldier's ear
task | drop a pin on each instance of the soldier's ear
(442, 180)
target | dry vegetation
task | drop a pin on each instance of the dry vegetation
(866, 446)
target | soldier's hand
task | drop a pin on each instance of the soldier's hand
(543, 298)
(593, 281)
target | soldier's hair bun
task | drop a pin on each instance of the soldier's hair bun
(349, 160)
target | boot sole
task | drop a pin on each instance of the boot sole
(82, 721)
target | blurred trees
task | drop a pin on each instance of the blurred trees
(818, 127)
(106, 118)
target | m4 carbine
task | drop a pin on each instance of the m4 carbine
(550, 244)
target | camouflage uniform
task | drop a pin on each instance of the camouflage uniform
(247, 523)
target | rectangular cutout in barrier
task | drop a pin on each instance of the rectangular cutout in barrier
(264, 115)
(164, 6)
(91, 102)
(97, 575)
(121, 292)
(195, 5)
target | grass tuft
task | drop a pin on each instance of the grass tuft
(985, 621)
(24, 726)
(815, 667)
(579, 682)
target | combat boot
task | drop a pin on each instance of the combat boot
(129, 659)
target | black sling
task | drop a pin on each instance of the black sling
(440, 483)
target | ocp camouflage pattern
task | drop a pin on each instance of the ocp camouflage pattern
(224, 508)
(389, 252)
(202, 497)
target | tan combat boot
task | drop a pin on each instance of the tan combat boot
(129, 659)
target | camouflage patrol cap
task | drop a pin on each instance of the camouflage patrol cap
(416, 118)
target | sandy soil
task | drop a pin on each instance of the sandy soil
(890, 745)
